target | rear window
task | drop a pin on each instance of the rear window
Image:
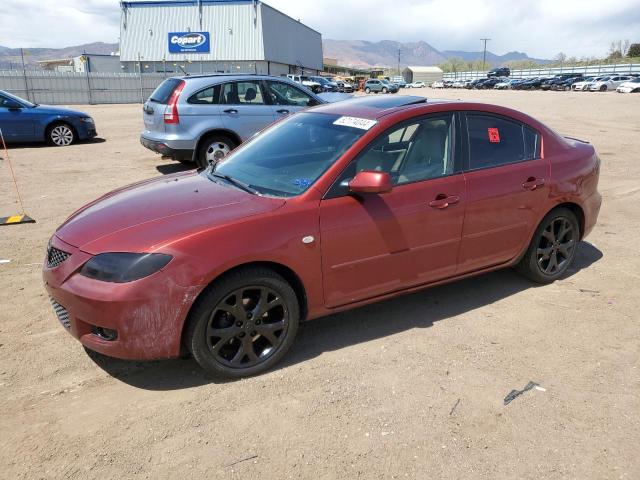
(164, 90)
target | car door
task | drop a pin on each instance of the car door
(375, 244)
(245, 108)
(287, 99)
(16, 121)
(506, 188)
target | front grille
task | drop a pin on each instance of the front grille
(62, 314)
(55, 257)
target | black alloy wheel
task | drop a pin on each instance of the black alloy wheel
(243, 323)
(247, 326)
(556, 246)
(552, 248)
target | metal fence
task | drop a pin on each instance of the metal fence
(67, 88)
(591, 70)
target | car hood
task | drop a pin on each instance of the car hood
(146, 215)
(53, 110)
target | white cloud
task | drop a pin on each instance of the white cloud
(540, 28)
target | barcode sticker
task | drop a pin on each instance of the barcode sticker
(355, 122)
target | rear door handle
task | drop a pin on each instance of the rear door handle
(283, 111)
(230, 110)
(443, 201)
(532, 183)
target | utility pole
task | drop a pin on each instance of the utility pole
(484, 53)
(399, 60)
(24, 74)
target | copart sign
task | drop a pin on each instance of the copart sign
(189, 42)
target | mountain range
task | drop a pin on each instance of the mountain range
(355, 53)
(361, 53)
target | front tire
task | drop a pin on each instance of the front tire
(243, 324)
(214, 148)
(384, 90)
(552, 248)
(61, 134)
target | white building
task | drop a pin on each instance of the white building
(202, 36)
(427, 75)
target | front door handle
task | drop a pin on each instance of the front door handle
(230, 110)
(532, 183)
(282, 111)
(443, 201)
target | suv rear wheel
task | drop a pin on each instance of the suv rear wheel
(213, 148)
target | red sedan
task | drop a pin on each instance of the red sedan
(339, 206)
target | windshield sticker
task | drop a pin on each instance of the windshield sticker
(355, 122)
(494, 135)
(302, 182)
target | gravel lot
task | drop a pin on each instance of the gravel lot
(364, 394)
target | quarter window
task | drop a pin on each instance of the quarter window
(208, 96)
(495, 141)
(242, 93)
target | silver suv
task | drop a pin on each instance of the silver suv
(202, 118)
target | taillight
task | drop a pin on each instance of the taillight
(171, 110)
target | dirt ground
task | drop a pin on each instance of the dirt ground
(409, 388)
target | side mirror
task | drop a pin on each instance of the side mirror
(368, 181)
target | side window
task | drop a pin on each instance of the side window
(495, 141)
(413, 151)
(285, 94)
(242, 93)
(208, 96)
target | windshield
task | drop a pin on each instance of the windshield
(288, 158)
(21, 101)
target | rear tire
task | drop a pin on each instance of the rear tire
(213, 148)
(61, 134)
(243, 323)
(367, 90)
(552, 248)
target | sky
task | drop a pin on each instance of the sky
(540, 28)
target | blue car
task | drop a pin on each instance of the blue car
(22, 121)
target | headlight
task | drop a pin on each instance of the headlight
(86, 120)
(124, 267)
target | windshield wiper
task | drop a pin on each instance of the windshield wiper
(241, 185)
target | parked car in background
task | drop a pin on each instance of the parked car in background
(418, 84)
(584, 84)
(344, 86)
(566, 85)
(630, 86)
(490, 82)
(438, 84)
(506, 83)
(24, 122)
(499, 72)
(458, 84)
(609, 83)
(557, 79)
(326, 84)
(201, 118)
(474, 83)
(531, 84)
(375, 85)
(312, 85)
(326, 211)
(400, 83)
